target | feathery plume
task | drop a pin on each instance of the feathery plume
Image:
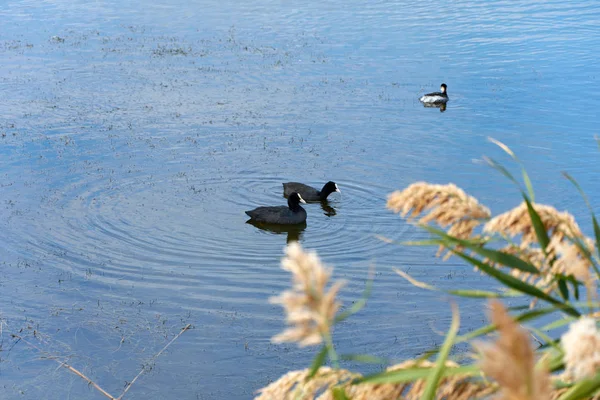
(296, 385)
(310, 309)
(582, 349)
(447, 205)
(510, 360)
(561, 256)
(518, 222)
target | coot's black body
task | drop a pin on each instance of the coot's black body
(292, 214)
(309, 193)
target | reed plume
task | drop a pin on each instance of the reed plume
(518, 222)
(447, 205)
(296, 385)
(581, 345)
(510, 360)
(310, 309)
(561, 256)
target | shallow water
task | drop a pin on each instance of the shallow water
(134, 135)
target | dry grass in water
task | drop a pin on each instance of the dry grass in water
(91, 382)
(309, 307)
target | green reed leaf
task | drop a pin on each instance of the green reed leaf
(358, 305)
(364, 358)
(582, 389)
(492, 163)
(594, 220)
(339, 393)
(516, 284)
(415, 373)
(499, 257)
(526, 179)
(317, 362)
(538, 225)
(434, 378)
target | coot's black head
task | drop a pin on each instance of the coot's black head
(329, 188)
(294, 201)
(443, 88)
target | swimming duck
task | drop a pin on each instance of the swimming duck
(292, 214)
(310, 193)
(436, 97)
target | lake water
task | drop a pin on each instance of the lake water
(134, 135)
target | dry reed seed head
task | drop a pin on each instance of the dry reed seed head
(310, 309)
(581, 345)
(563, 257)
(518, 222)
(451, 203)
(510, 360)
(570, 259)
(295, 385)
(447, 205)
(450, 388)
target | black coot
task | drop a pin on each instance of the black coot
(292, 214)
(309, 193)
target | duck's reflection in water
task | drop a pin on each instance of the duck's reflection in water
(294, 232)
(441, 106)
(327, 209)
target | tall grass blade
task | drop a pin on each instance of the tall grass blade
(339, 393)
(503, 171)
(457, 292)
(577, 242)
(594, 220)
(582, 389)
(364, 358)
(434, 378)
(317, 362)
(517, 284)
(558, 324)
(538, 225)
(415, 373)
(526, 316)
(563, 289)
(526, 179)
(357, 306)
(483, 294)
(499, 257)
(579, 189)
(415, 282)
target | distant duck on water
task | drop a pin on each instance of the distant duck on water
(440, 97)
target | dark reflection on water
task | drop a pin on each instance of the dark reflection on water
(293, 232)
(441, 106)
(134, 134)
(328, 210)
